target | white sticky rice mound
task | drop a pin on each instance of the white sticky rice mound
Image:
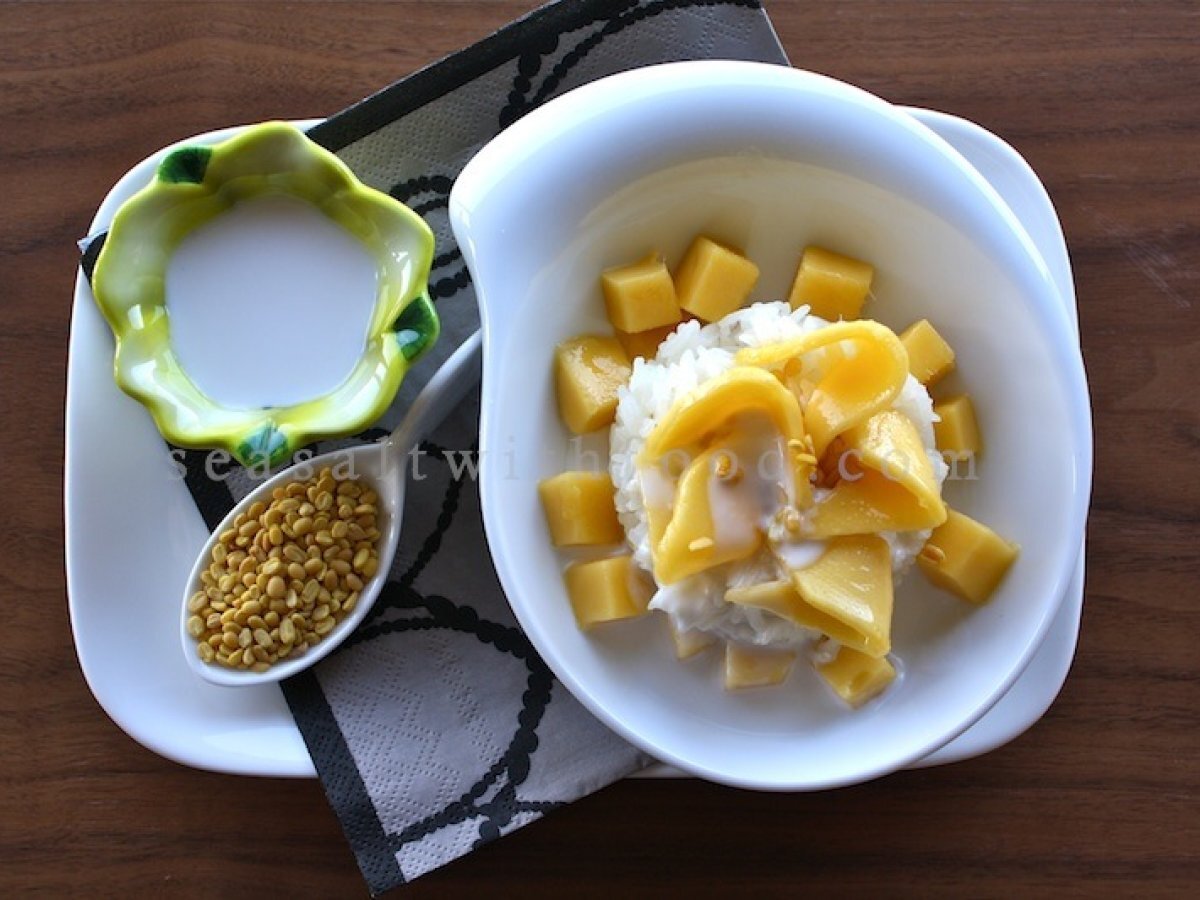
(691, 355)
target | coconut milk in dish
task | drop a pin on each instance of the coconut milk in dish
(270, 303)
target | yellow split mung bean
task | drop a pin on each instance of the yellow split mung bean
(286, 572)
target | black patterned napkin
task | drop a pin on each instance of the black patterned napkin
(436, 727)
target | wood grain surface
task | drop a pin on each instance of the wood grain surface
(1099, 799)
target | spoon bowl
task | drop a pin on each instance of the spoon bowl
(381, 465)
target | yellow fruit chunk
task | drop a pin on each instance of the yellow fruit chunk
(689, 643)
(872, 504)
(604, 590)
(852, 584)
(889, 443)
(742, 391)
(587, 372)
(888, 485)
(580, 509)
(778, 597)
(834, 286)
(748, 667)
(929, 356)
(856, 677)
(700, 414)
(641, 296)
(966, 558)
(958, 430)
(782, 599)
(848, 388)
(692, 541)
(713, 281)
(644, 343)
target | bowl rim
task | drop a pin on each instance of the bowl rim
(613, 97)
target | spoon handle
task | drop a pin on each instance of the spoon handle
(449, 384)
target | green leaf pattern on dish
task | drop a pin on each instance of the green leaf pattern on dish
(185, 165)
(416, 327)
(193, 185)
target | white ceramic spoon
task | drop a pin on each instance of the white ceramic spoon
(382, 464)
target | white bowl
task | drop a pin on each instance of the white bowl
(772, 159)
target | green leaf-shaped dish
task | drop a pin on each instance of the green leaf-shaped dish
(193, 185)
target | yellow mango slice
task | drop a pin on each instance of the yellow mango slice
(958, 430)
(713, 281)
(588, 370)
(641, 296)
(852, 584)
(929, 356)
(707, 410)
(895, 488)
(644, 343)
(697, 418)
(604, 590)
(580, 509)
(889, 443)
(782, 599)
(853, 386)
(966, 558)
(692, 540)
(834, 286)
(778, 597)
(749, 667)
(856, 677)
(689, 643)
(872, 504)
(658, 482)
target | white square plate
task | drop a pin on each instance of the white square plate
(125, 581)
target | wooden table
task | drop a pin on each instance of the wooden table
(1099, 798)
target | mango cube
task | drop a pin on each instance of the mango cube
(580, 509)
(712, 280)
(929, 356)
(835, 286)
(644, 343)
(604, 590)
(748, 667)
(958, 430)
(640, 296)
(856, 677)
(966, 558)
(690, 642)
(588, 370)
